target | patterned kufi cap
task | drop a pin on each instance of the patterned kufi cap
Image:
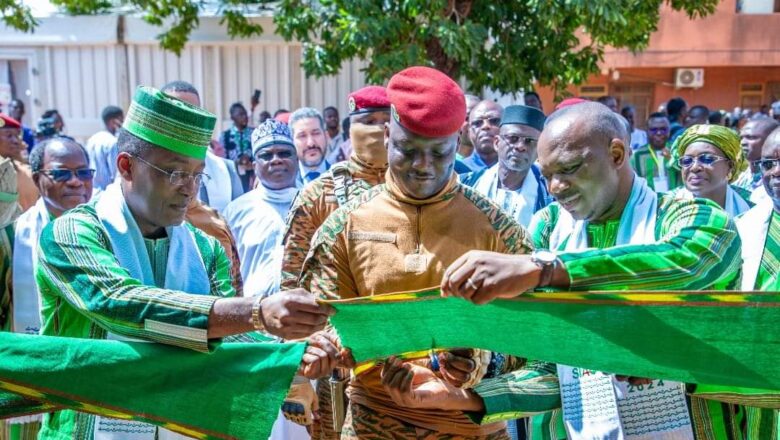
(271, 132)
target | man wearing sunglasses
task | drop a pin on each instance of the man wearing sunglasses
(653, 162)
(484, 122)
(759, 229)
(126, 265)
(61, 171)
(605, 224)
(515, 183)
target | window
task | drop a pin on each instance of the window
(751, 96)
(593, 91)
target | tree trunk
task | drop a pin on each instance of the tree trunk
(457, 11)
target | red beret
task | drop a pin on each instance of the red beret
(368, 99)
(9, 122)
(426, 102)
(570, 102)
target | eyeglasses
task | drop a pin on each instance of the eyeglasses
(64, 174)
(658, 130)
(269, 155)
(703, 159)
(767, 164)
(178, 178)
(519, 140)
(479, 122)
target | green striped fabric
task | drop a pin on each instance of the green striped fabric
(698, 248)
(769, 270)
(234, 392)
(85, 293)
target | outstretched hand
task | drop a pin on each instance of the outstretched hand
(294, 314)
(481, 276)
(323, 354)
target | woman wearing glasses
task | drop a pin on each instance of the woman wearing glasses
(710, 158)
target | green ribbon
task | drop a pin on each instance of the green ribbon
(723, 338)
(233, 392)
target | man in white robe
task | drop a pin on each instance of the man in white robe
(515, 183)
(257, 219)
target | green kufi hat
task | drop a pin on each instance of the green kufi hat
(169, 123)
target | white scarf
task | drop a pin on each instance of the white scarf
(280, 196)
(637, 223)
(595, 404)
(185, 271)
(753, 228)
(735, 204)
(218, 186)
(520, 204)
(27, 314)
(26, 303)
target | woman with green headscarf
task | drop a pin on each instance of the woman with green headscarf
(711, 158)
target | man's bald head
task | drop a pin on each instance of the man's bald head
(583, 153)
(589, 120)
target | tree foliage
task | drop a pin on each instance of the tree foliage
(504, 45)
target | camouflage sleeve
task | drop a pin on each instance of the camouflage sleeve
(513, 238)
(326, 271)
(301, 227)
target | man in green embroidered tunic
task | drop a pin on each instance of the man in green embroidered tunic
(759, 230)
(126, 266)
(654, 161)
(612, 233)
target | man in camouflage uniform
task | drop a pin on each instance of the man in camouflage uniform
(369, 111)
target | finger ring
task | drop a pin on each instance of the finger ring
(470, 284)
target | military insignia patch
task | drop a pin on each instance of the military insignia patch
(394, 113)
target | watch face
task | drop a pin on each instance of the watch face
(544, 256)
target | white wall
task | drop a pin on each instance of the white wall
(78, 67)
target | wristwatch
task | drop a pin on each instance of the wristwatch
(546, 260)
(257, 311)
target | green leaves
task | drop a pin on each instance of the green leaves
(16, 15)
(503, 45)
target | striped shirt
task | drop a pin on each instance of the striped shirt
(86, 293)
(698, 248)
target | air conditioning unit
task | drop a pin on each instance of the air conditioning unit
(689, 78)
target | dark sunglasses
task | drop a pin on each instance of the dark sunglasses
(269, 155)
(517, 140)
(658, 130)
(64, 175)
(767, 164)
(704, 159)
(479, 122)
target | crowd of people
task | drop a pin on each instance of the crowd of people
(153, 230)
